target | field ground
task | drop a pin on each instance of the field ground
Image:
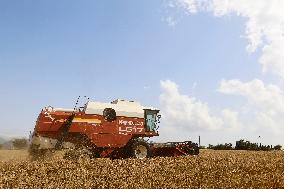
(211, 169)
(9, 155)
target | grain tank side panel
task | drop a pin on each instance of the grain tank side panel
(110, 140)
(86, 124)
(104, 133)
(51, 121)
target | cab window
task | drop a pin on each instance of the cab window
(151, 119)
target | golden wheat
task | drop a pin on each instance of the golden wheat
(211, 169)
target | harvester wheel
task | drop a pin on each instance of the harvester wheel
(140, 150)
(196, 150)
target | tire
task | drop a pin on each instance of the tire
(140, 150)
(196, 151)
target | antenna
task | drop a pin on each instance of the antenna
(87, 100)
(76, 103)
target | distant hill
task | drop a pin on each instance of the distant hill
(6, 143)
(2, 140)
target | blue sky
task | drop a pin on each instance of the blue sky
(53, 51)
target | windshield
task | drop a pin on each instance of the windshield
(151, 119)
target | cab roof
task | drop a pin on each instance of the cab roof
(122, 108)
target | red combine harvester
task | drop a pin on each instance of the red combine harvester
(114, 130)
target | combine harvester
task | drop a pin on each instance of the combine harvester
(113, 130)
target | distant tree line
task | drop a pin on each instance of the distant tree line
(226, 146)
(244, 145)
(20, 143)
(17, 143)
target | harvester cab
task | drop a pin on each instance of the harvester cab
(113, 130)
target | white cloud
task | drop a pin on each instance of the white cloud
(264, 101)
(264, 25)
(184, 116)
(231, 120)
(263, 112)
(269, 98)
(175, 6)
(171, 21)
(184, 111)
(190, 114)
(190, 5)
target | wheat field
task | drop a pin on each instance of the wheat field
(211, 169)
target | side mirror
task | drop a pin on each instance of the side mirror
(158, 118)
